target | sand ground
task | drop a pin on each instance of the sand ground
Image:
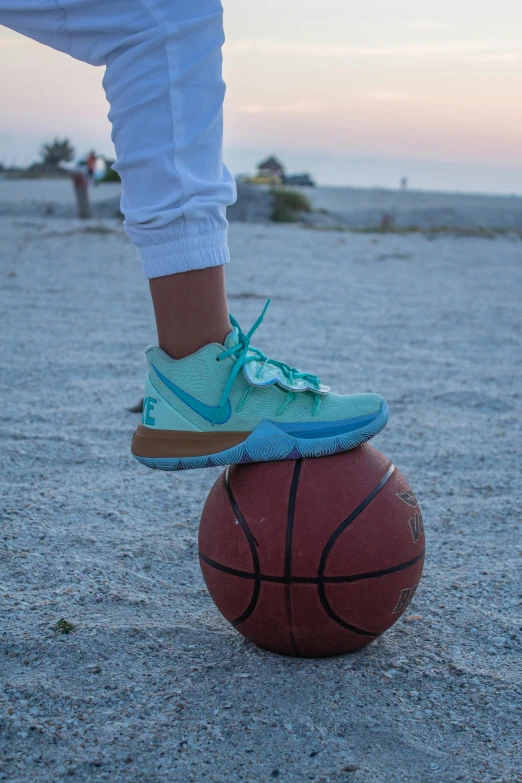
(154, 686)
(365, 207)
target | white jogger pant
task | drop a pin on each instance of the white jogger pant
(164, 86)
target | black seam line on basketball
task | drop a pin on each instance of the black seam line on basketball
(373, 574)
(290, 520)
(312, 580)
(255, 557)
(353, 516)
(237, 572)
(330, 612)
(326, 551)
(288, 551)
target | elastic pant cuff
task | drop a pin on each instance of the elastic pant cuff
(184, 255)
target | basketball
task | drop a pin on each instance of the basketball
(312, 557)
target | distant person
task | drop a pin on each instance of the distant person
(209, 396)
(91, 161)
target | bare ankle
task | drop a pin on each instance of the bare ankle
(191, 310)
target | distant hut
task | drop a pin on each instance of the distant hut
(304, 180)
(271, 167)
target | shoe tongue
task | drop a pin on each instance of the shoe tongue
(232, 338)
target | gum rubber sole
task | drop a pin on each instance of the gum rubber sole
(268, 442)
(177, 444)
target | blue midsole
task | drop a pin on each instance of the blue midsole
(322, 429)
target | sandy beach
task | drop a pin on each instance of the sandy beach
(154, 686)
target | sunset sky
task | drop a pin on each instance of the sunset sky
(356, 92)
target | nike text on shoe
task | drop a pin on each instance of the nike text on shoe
(229, 403)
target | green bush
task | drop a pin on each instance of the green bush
(288, 204)
(110, 176)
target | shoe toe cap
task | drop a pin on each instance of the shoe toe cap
(374, 402)
(353, 405)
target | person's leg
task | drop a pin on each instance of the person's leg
(191, 310)
(175, 187)
(216, 402)
(164, 86)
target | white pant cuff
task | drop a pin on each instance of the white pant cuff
(185, 255)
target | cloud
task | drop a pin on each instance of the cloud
(299, 107)
(474, 51)
(508, 57)
(425, 25)
(15, 43)
(387, 96)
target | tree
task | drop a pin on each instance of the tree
(57, 151)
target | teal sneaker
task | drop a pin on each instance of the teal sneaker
(229, 403)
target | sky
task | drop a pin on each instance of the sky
(357, 93)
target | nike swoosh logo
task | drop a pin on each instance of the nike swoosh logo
(206, 412)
